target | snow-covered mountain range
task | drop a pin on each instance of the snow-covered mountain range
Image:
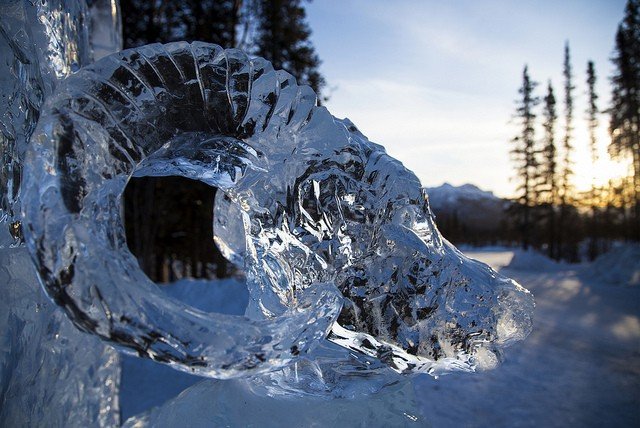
(469, 205)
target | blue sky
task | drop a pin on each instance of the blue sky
(435, 81)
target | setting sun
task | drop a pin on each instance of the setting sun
(604, 170)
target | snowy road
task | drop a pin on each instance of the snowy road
(580, 366)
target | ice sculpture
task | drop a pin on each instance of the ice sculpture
(50, 373)
(336, 237)
(105, 36)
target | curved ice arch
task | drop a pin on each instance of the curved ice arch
(176, 108)
(318, 204)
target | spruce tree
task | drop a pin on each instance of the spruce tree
(592, 112)
(549, 174)
(567, 141)
(592, 115)
(283, 37)
(566, 249)
(624, 125)
(524, 155)
(592, 125)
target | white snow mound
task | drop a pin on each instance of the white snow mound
(531, 260)
(620, 266)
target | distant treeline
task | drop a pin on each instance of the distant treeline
(169, 220)
(613, 224)
(548, 213)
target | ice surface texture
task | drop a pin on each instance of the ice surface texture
(50, 373)
(40, 43)
(160, 110)
(336, 237)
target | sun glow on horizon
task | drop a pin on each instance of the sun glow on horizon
(586, 173)
(604, 170)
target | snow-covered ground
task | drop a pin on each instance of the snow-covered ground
(579, 367)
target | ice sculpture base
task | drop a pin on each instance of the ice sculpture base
(236, 403)
(51, 374)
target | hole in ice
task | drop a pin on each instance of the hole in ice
(169, 229)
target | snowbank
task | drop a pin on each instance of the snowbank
(532, 260)
(620, 266)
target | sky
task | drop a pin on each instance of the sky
(436, 82)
